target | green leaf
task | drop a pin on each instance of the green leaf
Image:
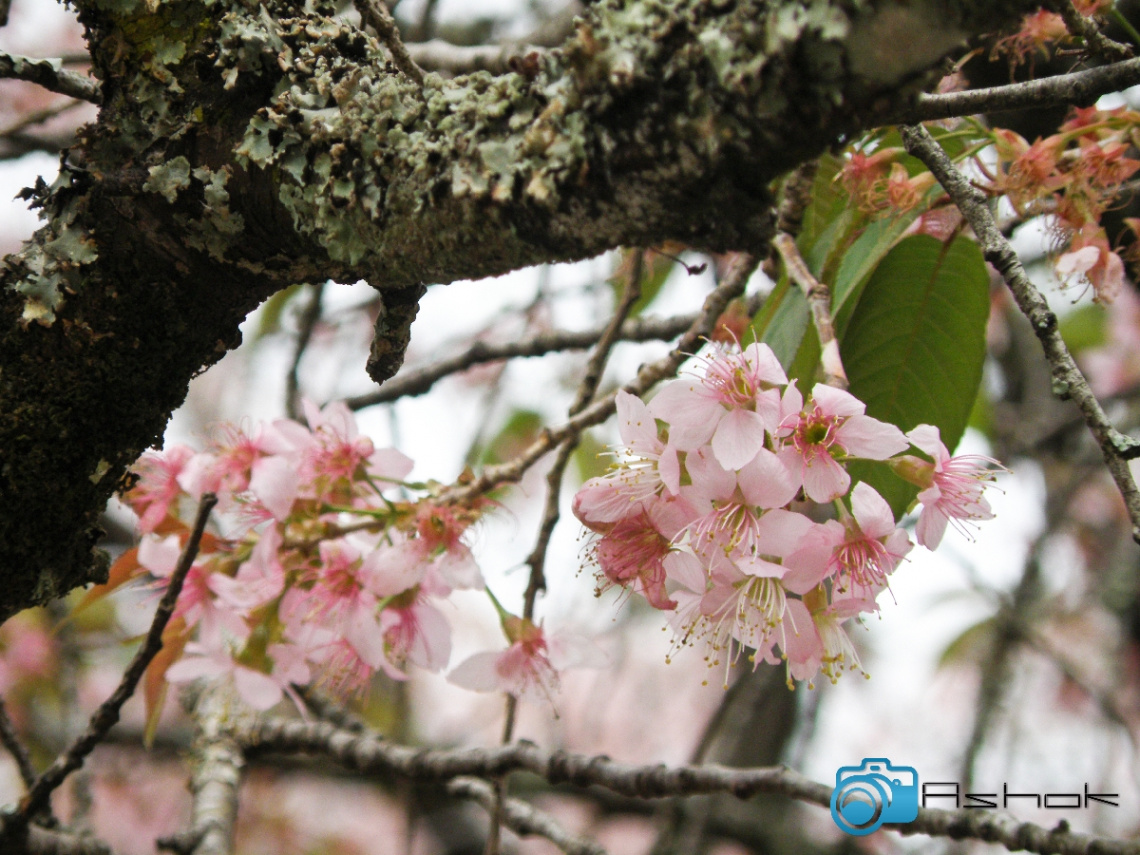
(1084, 327)
(269, 321)
(784, 328)
(914, 347)
(970, 646)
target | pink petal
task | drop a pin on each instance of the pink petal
(871, 511)
(871, 439)
(836, 402)
(258, 690)
(478, 673)
(738, 437)
(275, 482)
(766, 481)
(824, 479)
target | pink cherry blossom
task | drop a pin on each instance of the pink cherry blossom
(866, 546)
(257, 689)
(953, 486)
(416, 633)
(651, 468)
(529, 666)
(832, 425)
(733, 405)
(632, 551)
(157, 487)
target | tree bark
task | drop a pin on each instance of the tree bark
(242, 148)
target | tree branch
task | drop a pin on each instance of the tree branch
(49, 74)
(107, 715)
(1079, 88)
(1068, 381)
(367, 754)
(522, 818)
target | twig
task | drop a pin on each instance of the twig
(1078, 88)
(16, 748)
(586, 391)
(731, 287)
(819, 301)
(376, 14)
(420, 380)
(325, 708)
(107, 715)
(537, 558)
(306, 325)
(438, 55)
(1068, 381)
(370, 755)
(1087, 30)
(48, 74)
(523, 818)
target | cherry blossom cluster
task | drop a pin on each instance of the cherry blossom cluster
(705, 513)
(334, 566)
(1073, 176)
(1040, 31)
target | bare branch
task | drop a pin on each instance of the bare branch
(1068, 381)
(371, 755)
(524, 819)
(376, 15)
(16, 748)
(819, 300)
(1078, 88)
(308, 322)
(438, 55)
(1087, 30)
(417, 381)
(219, 762)
(49, 74)
(107, 715)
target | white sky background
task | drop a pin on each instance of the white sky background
(907, 712)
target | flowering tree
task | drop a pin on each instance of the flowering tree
(782, 456)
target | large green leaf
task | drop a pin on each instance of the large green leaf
(915, 345)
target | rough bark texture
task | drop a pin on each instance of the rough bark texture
(242, 148)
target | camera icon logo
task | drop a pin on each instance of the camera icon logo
(874, 792)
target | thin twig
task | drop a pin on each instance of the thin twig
(16, 748)
(586, 391)
(48, 74)
(1087, 30)
(1078, 88)
(418, 381)
(730, 287)
(523, 818)
(376, 14)
(550, 516)
(370, 755)
(1068, 381)
(438, 55)
(307, 323)
(819, 301)
(107, 715)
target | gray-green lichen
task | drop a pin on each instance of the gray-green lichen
(52, 265)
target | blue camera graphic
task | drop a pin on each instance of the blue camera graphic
(874, 792)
